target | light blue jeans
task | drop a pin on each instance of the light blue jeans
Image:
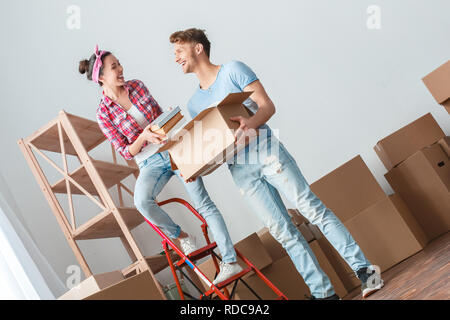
(154, 174)
(265, 168)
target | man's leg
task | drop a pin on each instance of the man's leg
(266, 203)
(206, 207)
(284, 174)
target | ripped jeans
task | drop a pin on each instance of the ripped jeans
(265, 168)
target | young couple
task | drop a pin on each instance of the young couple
(124, 114)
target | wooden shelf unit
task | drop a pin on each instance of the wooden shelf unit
(68, 134)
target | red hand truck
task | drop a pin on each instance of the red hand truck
(215, 291)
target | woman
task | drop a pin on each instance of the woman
(124, 114)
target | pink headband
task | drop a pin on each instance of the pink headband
(97, 64)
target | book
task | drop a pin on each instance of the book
(164, 117)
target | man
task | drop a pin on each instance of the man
(260, 182)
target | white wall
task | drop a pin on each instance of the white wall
(338, 86)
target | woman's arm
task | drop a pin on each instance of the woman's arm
(120, 142)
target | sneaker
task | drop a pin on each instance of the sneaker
(333, 297)
(227, 270)
(371, 281)
(188, 245)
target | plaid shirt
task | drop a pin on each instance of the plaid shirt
(117, 125)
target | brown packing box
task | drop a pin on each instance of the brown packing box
(348, 189)
(137, 287)
(250, 247)
(438, 83)
(423, 181)
(401, 144)
(386, 232)
(283, 274)
(92, 285)
(196, 154)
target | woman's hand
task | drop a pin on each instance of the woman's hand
(152, 137)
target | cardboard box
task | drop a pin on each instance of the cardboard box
(208, 140)
(438, 83)
(423, 181)
(401, 144)
(387, 233)
(348, 189)
(137, 287)
(92, 285)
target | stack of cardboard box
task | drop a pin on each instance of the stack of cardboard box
(381, 225)
(417, 159)
(438, 82)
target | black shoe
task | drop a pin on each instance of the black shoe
(333, 297)
(371, 285)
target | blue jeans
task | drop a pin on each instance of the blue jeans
(265, 168)
(154, 174)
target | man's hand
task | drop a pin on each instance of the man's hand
(246, 129)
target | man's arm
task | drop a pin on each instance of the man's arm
(266, 109)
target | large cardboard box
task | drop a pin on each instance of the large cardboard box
(423, 181)
(386, 232)
(404, 142)
(92, 285)
(208, 140)
(438, 83)
(137, 287)
(348, 189)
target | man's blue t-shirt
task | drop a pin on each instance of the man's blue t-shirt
(233, 77)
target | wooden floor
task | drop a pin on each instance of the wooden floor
(424, 276)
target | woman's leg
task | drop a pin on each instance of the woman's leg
(152, 178)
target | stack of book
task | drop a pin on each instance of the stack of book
(166, 121)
